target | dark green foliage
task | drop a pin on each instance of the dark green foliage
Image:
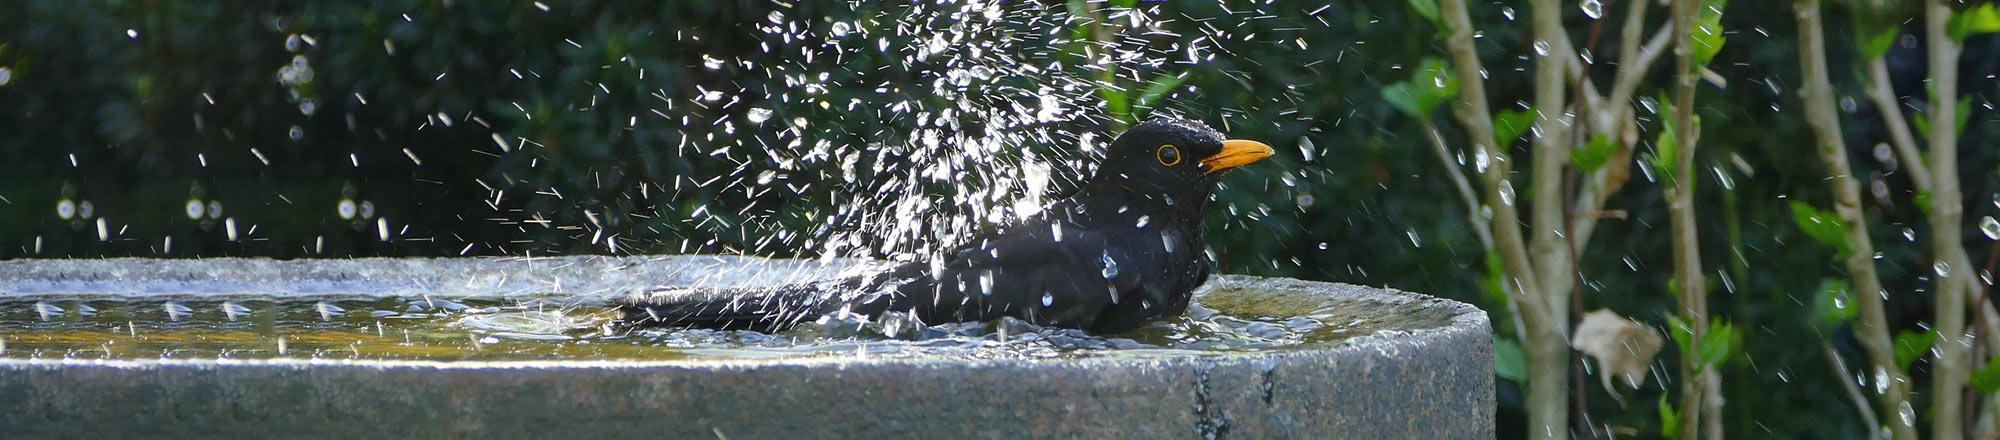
(1366, 204)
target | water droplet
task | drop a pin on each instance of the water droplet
(132, 34)
(1167, 240)
(1048, 299)
(46, 310)
(1910, 234)
(1990, 227)
(1323, 245)
(346, 208)
(195, 209)
(1055, 231)
(711, 63)
(1592, 8)
(1542, 47)
(1507, 192)
(175, 311)
(758, 115)
(1907, 414)
(327, 310)
(1508, 12)
(66, 209)
(1110, 266)
(6, 76)
(986, 283)
(1942, 268)
(232, 310)
(1143, 220)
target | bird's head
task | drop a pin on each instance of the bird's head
(1173, 156)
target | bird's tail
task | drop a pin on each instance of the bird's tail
(765, 308)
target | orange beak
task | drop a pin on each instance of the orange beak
(1236, 153)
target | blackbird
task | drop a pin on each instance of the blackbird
(1125, 248)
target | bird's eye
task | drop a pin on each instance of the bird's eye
(1168, 155)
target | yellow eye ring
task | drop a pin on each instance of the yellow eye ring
(1168, 155)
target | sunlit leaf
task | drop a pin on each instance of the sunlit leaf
(1401, 96)
(1911, 345)
(1977, 20)
(1593, 155)
(1833, 305)
(1428, 9)
(1670, 420)
(1825, 227)
(1987, 379)
(1707, 33)
(1718, 343)
(1510, 124)
(1879, 43)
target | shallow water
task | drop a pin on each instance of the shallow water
(549, 328)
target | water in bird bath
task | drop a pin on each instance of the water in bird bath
(1225, 319)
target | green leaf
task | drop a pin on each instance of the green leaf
(1158, 89)
(1593, 155)
(1718, 343)
(1435, 83)
(1670, 421)
(1123, 3)
(1833, 304)
(1978, 20)
(1987, 379)
(1964, 114)
(1911, 345)
(1879, 43)
(1823, 226)
(1428, 9)
(1923, 200)
(1495, 282)
(1404, 99)
(1667, 146)
(1923, 123)
(1707, 33)
(1432, 84)
(1682, 333)
(1509, 361)
(1510, 124)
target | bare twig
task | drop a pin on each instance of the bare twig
(1549, 248)
(1949, 366)
(1886, 105)
(1458, 181)
(1688, 275)
(1847, 377)
(1545, 342)
(1874, 329)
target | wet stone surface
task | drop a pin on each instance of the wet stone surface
(416, 346)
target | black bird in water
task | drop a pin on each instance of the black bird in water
(1125, 248)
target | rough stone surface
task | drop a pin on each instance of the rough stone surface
(1434, 383)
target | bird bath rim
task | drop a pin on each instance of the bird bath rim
(601, 278)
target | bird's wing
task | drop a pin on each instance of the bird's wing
(1046, 270)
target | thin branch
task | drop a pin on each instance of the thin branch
(1545, 342)
(1549, 248)
(1886, 105)
(1458, 181)
(1847, 377)
(1695, 380)
(1873, 332)
(1949, 366)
